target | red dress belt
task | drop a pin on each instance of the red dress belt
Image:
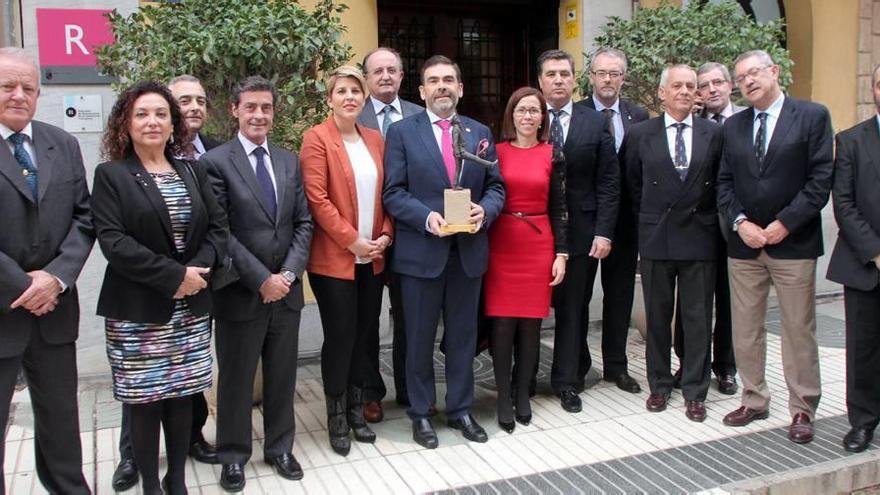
(525, 218)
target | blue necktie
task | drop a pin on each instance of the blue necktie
(681, 161)
(265, 181)
(24, 160)
(386, 120)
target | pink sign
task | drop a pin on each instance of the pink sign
(69, 37)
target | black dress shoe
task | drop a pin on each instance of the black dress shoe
(570, 401)
(424, 434)
(524, 419)
(727, 384)
(469, 427)
(232, 477)
(858, 439)
(625, 382)
(125, 476)
(508, 427)
(286, 466)
(203, 452)
(676, 379)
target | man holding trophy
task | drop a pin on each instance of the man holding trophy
(441, 258)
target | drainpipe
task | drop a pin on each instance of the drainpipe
(8, 29)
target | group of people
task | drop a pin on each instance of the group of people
(711, 202)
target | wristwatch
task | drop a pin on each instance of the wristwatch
(288, 275)
(737, 222)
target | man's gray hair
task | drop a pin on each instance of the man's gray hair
(664, 76)
(19, 54)
(613, 52)
(382, 49)
(763, 56)
(710, 66)
(183, 78)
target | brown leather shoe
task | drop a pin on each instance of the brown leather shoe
(801, 429)
(657, 402)
(744, 415)
(373, 412)
(695, 410)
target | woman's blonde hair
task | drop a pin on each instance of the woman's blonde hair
(345, 71)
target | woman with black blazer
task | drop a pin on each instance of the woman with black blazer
(160, 228)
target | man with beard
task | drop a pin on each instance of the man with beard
(190, 95)
(440, 271)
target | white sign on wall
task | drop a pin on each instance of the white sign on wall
(83, 113)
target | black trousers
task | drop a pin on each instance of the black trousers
(52, 381)
(862, 356)
(723, 360)
(696, 281)
(350, 311)
(274, 337)
(618, 285)
(199, 418)
(571, 300)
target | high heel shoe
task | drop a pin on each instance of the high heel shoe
(507, 426)
(524, 419)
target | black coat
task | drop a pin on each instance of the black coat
(792, 186)
(857, 207)
(144, 269)
(677, 220)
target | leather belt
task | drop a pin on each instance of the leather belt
(525, 218)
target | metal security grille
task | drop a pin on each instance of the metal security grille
(481, 57)
(413, 38)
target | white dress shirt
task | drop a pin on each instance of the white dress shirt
(379, 109)
(616, 120)
(28, 143)
(366, 177)
(564, 118)
(687, 134)
(198, 147)
(725, 113)
(249, 148)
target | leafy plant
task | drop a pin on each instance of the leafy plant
(223, 41)
(695, 34)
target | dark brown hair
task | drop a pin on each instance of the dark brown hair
(508, 130)
(440, 60)
(116, 143)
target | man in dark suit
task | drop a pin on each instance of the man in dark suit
(440, 271)
(775, 178)
(383, 71)
(607, 74)
(714, 87)
(671, 163)
(46, 240)
(593, 192)
(855, 263)
(260, 187)
(190, 95)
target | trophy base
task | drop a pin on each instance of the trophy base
(459, 229)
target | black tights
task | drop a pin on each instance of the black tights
(521, 335)
(175, 415)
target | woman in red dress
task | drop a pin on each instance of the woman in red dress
(527, 252)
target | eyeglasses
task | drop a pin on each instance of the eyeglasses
(521, 112)
(751, 73)
(613, 74)
(713, 82)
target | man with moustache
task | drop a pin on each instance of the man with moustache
(855, 263)
(190, 95)
(607, 74)
(593, 192)
(47, 237)
(257, 317)
(440, 271)
(775, 177)
(383, 71)
(671, 163)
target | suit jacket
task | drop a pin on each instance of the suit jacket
(133, 226)
(209, 142)
(677, 220)
(792, 186)
(857, 207)
(630, 114)
(733, 106)
(368, 114)
(56, 237)
(592, 179)
(259, 245)
(415, 179)
(332, 194)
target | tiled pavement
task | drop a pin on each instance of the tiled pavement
(613, 446)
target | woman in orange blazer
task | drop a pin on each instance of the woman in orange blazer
(342, 173)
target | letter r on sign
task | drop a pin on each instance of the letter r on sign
(73, 35)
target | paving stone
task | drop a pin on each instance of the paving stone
(606, 479)
(665, 472)
(542, 485)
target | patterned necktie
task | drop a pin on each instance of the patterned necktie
(681, 161)
(609, 114)
(718, 118)
(557, 138)
(761, 139)
(446, 149)
(265, 181)
(24, 160)
(386, 119)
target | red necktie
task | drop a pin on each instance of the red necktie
(446, 149)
